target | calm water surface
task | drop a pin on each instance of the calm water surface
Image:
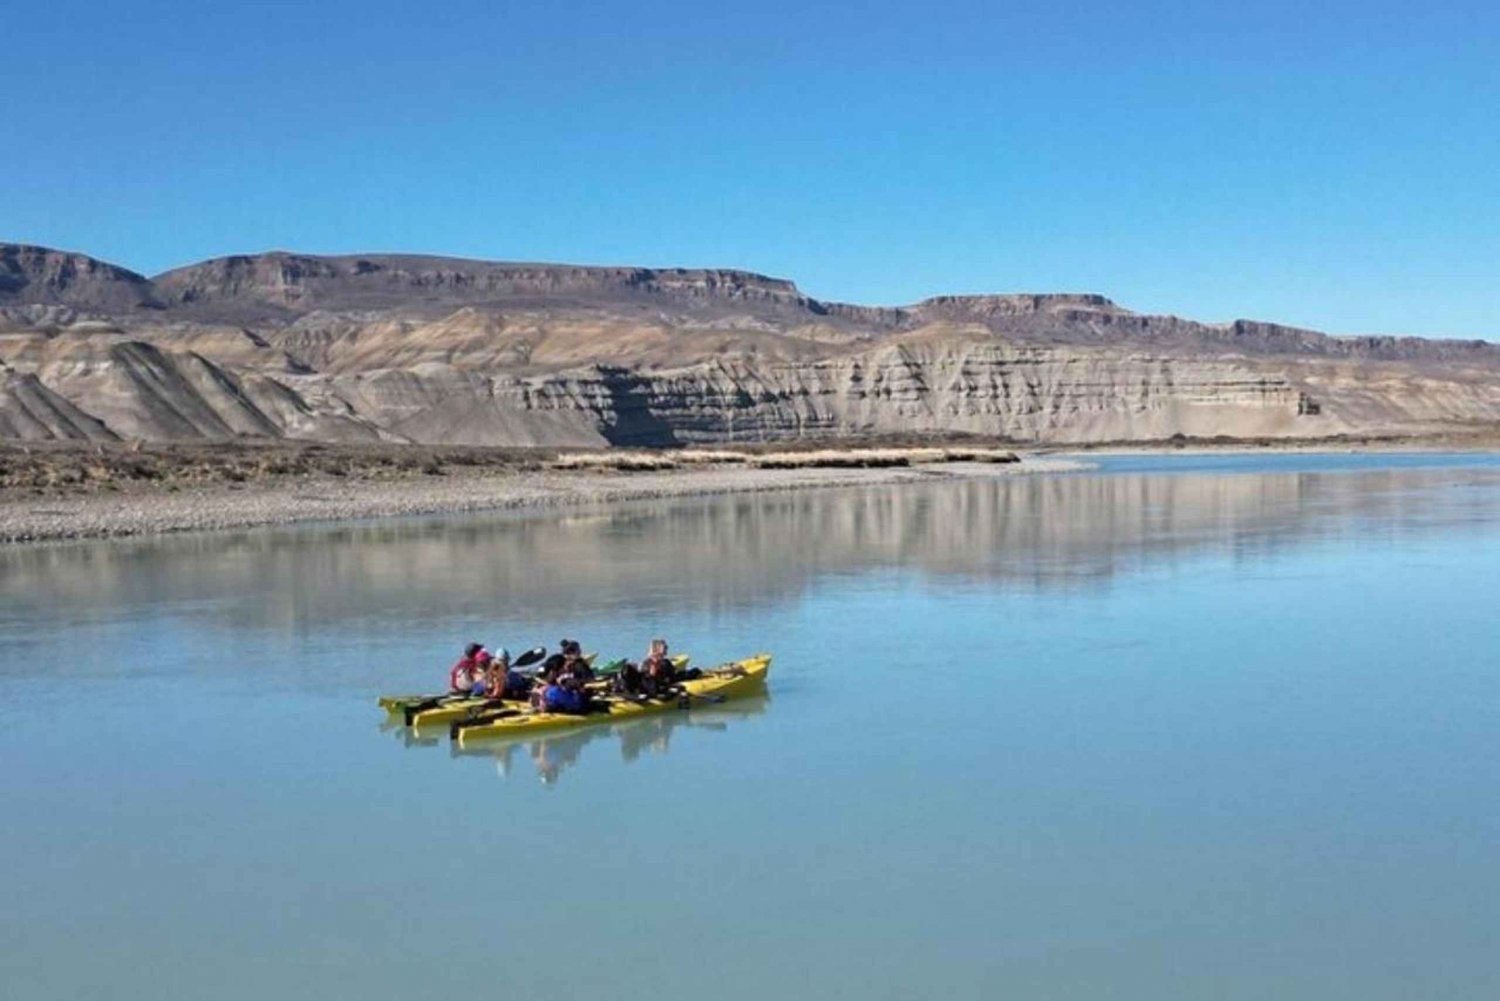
(1182, 728)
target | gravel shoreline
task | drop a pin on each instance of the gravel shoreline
(219, 507)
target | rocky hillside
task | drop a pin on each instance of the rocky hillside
(36, 276)
(440, 350)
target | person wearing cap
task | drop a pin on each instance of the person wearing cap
(469, 670)
(574, 665)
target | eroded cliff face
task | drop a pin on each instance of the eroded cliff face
(41, 276)
(436, 350)
(1024, 393)
(1032, 394)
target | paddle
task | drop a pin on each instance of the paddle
(526, 659)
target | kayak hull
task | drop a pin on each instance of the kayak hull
(737, 680)
(461, 709)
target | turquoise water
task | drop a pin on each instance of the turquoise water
(1181, 728)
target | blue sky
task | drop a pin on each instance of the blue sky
(1335, 165)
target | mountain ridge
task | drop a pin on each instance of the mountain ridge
(412, 347)
(280, 275)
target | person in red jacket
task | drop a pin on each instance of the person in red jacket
(470, 669)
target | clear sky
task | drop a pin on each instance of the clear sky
(1331, 164)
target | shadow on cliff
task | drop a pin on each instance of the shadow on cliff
(630, 401)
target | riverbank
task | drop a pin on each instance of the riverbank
(53, 492)
(149, 509)
(1479, 440)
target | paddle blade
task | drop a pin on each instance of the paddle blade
(531, 656)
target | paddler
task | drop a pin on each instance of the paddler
(658, 673)
(470, 670)
(564, 681)
(574, 666)
(493, 685)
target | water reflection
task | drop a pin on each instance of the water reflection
(1176, 723)
(727, 553)
(548, 757)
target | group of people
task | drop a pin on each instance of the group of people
(481, 673)
(564, 682)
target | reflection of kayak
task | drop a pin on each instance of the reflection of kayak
(653, 734)
(745, 677)
(636, 733)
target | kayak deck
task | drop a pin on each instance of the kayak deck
(736, 680)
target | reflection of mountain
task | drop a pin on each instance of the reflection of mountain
(550, 756)
(718, 553)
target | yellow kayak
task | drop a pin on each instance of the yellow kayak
(732, 681)
(464, 708)
(407, 707)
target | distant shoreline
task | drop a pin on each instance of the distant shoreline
(84, 492)
(218, 507)
(1484, 439)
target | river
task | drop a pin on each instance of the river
(1182, 727)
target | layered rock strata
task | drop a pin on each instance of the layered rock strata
(438, 350)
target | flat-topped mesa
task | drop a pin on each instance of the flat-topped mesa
(1064, 305)
(716, 283)
(289, 284)
(1274, 338)
(1083, 319)
(32, 275)
(274, 276)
